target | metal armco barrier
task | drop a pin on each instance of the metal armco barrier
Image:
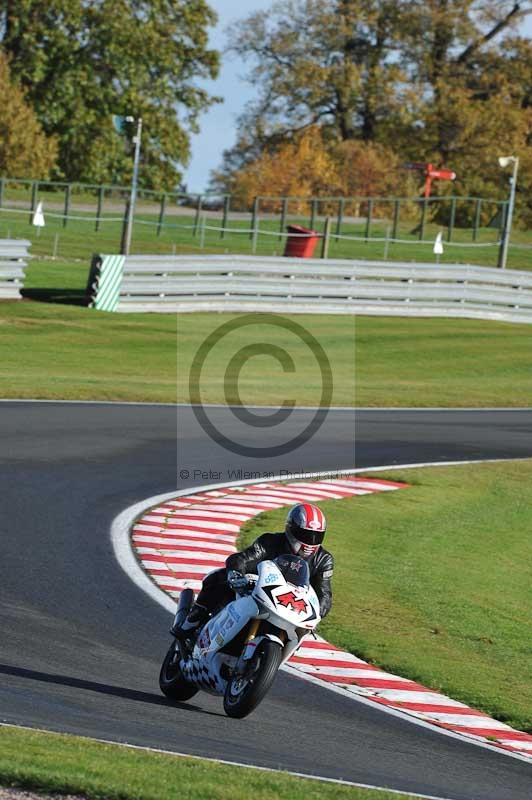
(13, 262)
(244, 283)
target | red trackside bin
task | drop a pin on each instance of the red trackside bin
(303, 243)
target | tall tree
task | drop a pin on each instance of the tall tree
(322, 61)
(443, 81)
(456, 49)
(24, 148)
(80, 61)
(473, 83)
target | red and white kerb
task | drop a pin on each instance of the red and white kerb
(180, 541)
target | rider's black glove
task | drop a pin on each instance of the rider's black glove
(236, 580)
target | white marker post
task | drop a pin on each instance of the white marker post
(38, 218)
(438, 247)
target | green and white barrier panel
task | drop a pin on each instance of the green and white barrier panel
(105, 281)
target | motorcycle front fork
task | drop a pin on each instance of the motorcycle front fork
(250, 645)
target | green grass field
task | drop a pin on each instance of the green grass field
(433, 581)
(57, 350)
(54, 351)
(69, 764)
(442, 362)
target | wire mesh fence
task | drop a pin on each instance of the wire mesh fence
(81, 219)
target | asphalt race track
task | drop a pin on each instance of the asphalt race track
(81, 645)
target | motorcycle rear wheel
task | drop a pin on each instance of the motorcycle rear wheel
(243, 694)
(171, 681)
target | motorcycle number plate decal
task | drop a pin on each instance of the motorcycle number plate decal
(289, 600)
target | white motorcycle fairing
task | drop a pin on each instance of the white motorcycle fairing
(205, 666)
(285, 609)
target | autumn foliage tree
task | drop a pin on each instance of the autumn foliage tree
(298, 168)
(313, 165)
(369, 169)
(24, 148)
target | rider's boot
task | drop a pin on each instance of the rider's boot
(196, 618)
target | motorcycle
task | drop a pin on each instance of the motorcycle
(239, 650)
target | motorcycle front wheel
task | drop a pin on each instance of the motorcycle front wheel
(173, 684)
(244, 692)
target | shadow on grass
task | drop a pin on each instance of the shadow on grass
(71, 297)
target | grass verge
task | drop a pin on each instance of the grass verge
(69, 764)
(56, 351)
(433, 582)
(59, 351)
(442, 362)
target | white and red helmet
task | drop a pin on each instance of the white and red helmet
(305, 529)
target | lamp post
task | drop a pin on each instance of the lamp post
(126, 237)
(505, 161)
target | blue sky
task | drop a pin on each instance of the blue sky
(218, 126)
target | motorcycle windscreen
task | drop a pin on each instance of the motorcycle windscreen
(294, 570)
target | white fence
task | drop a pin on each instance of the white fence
(13, 255)
(293, 285)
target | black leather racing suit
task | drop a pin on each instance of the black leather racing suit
(216, 593)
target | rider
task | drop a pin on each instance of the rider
(303, 536)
